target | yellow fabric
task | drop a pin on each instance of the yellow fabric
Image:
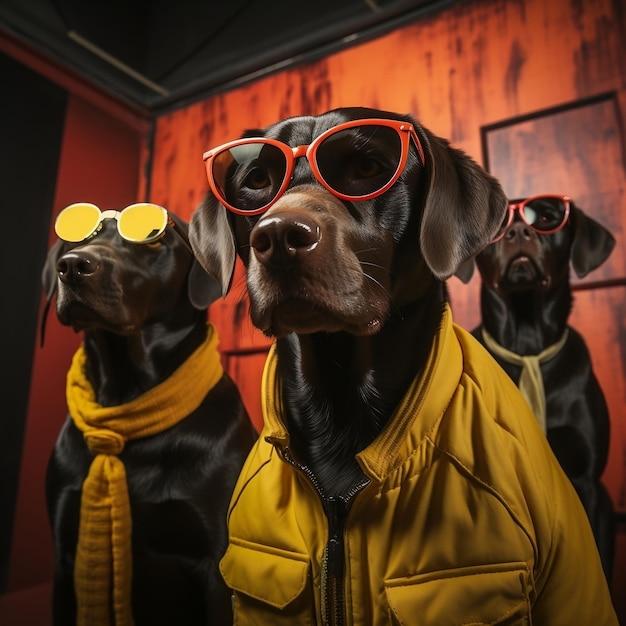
(103, 567)
(531, 380)
(468, 518)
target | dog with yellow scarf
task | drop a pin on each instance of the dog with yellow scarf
(140, 478)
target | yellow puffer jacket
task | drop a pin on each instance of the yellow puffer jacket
(467, 517)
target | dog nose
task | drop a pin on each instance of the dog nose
(519, 230)
(284, 237)
(72, 266)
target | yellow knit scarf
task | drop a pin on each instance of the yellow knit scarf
(103, 567)
(531, 380)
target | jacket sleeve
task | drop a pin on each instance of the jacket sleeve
(570, 584)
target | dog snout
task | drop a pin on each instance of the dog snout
(74, 265)
(284, 237)
(519, 231)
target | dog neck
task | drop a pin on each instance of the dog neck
(339, 390)
(120, 368)
(526, 322)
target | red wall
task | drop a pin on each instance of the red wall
(100, 162)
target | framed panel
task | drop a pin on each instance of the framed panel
(577, 150)
(598, 315)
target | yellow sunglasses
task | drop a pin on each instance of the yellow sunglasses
(138, 223)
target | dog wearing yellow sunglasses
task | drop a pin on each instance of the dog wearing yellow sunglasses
(140, 478)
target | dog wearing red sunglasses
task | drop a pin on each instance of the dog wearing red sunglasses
(525, 302)
(396, 475)
(140, 477)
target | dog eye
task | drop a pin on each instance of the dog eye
(368, 167)
(257, 178)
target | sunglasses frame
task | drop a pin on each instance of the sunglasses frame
(519, 206)
(113, 214)
(405, 131)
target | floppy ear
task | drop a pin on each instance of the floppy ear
(49, 271)
(464, 206)
(592, 243)
(203, 289)
(213, 242)
(465, 270)
(49, 283)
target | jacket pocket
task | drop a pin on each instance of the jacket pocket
(469, 596)
(269, 586)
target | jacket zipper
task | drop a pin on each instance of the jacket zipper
(333, 559)
(333, 593)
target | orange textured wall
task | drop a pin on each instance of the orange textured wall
(468, 67)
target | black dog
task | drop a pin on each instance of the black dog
(395, 467)
(142, 307)
(525, 302)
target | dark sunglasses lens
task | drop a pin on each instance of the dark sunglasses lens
(77, 221)
(143, 222)
(544, 214)
(361, 160)
(249, 175)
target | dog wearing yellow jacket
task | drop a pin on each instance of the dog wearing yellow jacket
(400, 477)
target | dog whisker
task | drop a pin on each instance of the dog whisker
(243, 321)
(376, 282)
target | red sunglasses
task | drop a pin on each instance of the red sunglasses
(357, 160)
(545, 214)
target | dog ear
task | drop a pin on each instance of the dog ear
(592, 243)
(203, 289)
(49, 271)
(49, 283)
(465, 270)
(213, 242)
(463, 209)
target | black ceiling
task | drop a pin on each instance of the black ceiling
(155, 54)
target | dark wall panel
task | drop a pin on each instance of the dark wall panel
(32, 112)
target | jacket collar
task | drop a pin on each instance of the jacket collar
(413, 421)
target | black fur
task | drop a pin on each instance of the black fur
(526, 300)
(347, 287)
(142, 308)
